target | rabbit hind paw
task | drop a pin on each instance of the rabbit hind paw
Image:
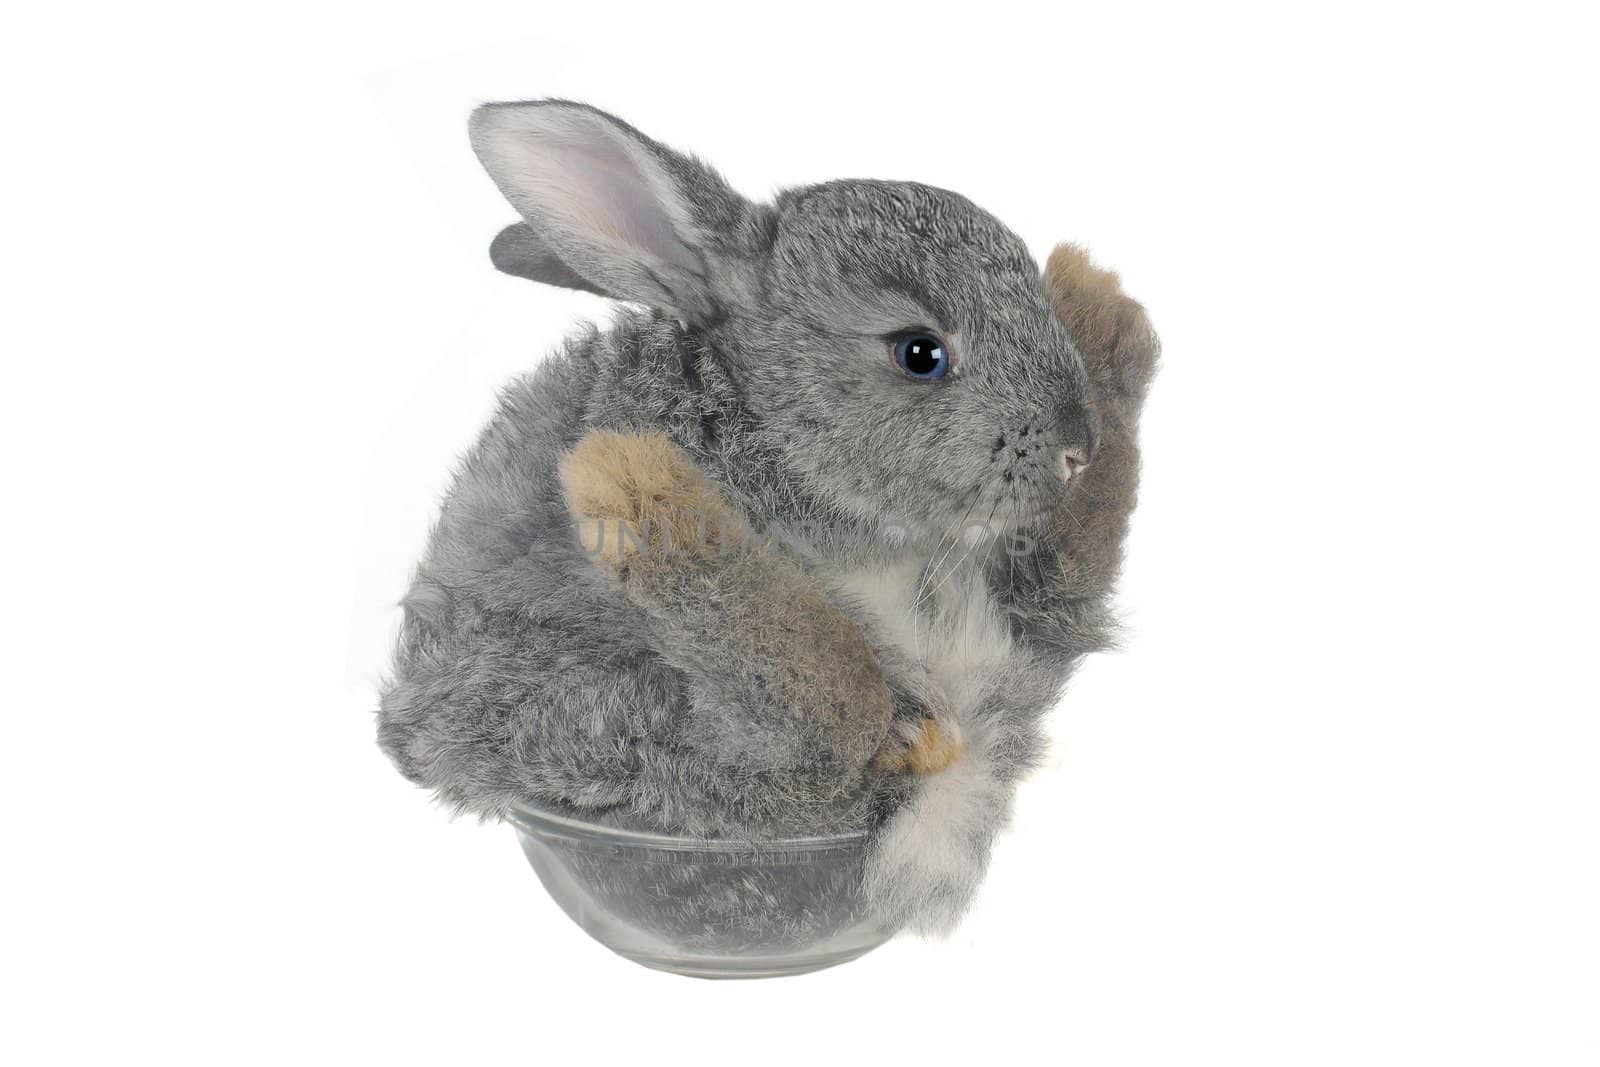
(634, 494)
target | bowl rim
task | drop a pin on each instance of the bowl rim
(544, 822)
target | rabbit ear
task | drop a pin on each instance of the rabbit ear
(632, 218)
(518, 250)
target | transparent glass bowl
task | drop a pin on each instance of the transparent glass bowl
(711, 909)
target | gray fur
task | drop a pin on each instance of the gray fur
(519, 251)
(527, 672)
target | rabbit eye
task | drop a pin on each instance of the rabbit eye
(922, 356)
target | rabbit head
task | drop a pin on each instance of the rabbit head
(893, 339)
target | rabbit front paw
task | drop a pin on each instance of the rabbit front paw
(1110, 328)
(924, 746)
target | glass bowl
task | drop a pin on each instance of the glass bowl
(711, 909)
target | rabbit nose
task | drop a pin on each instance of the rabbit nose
(1072, 460)
(1075, 436)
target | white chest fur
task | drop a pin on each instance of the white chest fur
(947, 623)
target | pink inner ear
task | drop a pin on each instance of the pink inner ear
(572, 171)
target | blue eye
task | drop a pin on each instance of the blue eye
(921, 356)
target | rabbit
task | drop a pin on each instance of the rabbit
(806, 541)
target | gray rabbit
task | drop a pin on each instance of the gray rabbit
(809, 544)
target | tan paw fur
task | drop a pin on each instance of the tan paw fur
(633, 493)
(931, 749)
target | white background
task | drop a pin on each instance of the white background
(1335, 803)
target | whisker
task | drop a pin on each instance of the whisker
(926, 574)
(961, 525)
(966, 555)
